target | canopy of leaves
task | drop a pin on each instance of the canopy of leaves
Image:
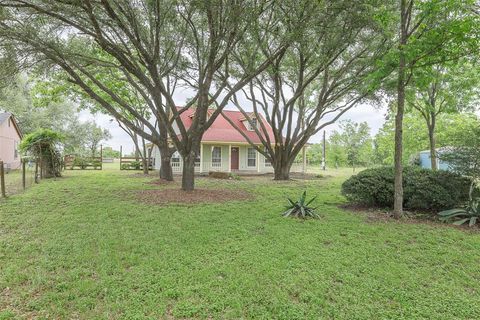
(44, 145)
(39, 142)
(415, 135)
(354, 141)
(464, 155)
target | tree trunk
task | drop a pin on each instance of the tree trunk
(282, 173)
(145, 157)
(145, 165)
(166, 172)
(188, 173)
(281, 166)
(432, 140)
(398, 184)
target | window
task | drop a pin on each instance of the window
(268, 163)
(252, 125)
(216, 157)
(251, 157)
(15, 151)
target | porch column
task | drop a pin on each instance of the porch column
(257, 157)
(201, 157)
(229, 158)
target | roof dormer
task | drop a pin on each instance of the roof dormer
(250, 125)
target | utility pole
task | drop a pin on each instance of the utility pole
(324, 158)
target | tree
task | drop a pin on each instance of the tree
(59, 86)
(447, 88)
(314, 153)
(356, 142)
(415, 135)
(19, 98)
(44, 145)
(156, 46)
(95, 135)
(322, 75)
(464, 156)
(109, 152)
(35, 110)
(429, 33)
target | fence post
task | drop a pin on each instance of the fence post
(36, 170)
(2, 180)
(24, 184)
(40, 167)
(120, 158)
(101, 157)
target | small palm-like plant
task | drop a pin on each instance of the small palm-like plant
(301, 208)
(459, 216)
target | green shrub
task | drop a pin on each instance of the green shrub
(80, 162)
(301, 208)
(424, 189)
(470, 214)
(234, 176)
(135, 165)
(96, 164)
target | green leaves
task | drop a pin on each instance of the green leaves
(459, 216)
(301, 209)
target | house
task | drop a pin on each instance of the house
(10, 137)
(224, 149)
(425, 160)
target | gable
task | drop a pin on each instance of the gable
(222, 131)
(7, 120)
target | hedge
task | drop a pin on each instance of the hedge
(423, 189)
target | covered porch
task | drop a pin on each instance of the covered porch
(236, 158)
(226, 158)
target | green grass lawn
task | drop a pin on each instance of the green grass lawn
(83, 247)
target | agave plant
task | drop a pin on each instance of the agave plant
(301, 207)
(470, 214)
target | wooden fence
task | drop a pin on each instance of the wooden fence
(134, 163)
(72, 162)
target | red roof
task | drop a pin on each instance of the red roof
(222, 131)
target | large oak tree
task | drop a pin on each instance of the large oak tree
(324, 73)
(154, 44)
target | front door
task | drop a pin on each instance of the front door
(234, 158)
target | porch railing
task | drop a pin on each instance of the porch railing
(177, 166)
(207, 166)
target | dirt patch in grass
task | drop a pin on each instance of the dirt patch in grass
(166, 196)
(160, 182)
(382, 215)
(307, 176)
(142, 175)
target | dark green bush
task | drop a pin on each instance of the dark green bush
(424, 189)
(135, 165)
